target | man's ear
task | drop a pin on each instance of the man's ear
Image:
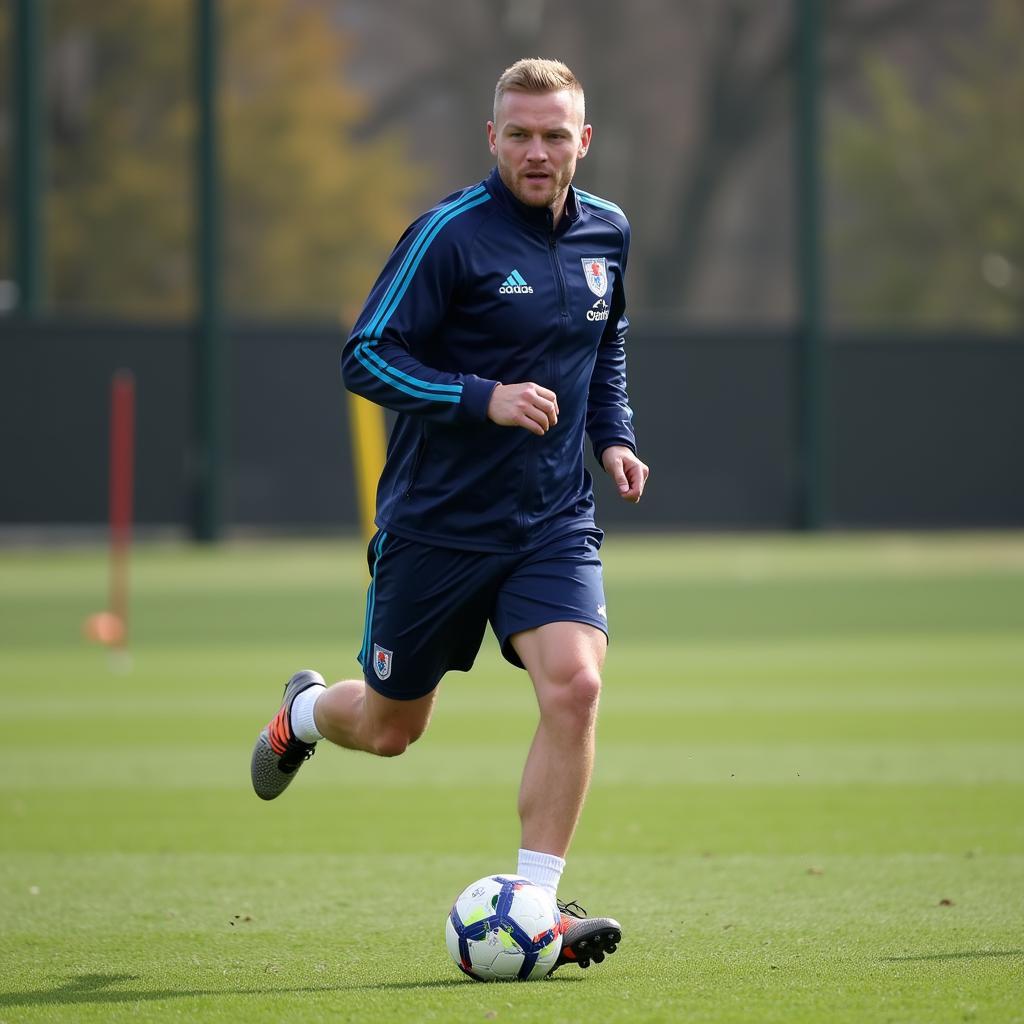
(585, 136)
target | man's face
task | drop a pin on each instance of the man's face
(537, 139)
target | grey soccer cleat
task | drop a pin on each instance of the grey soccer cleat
(586, 939)
(278, 753)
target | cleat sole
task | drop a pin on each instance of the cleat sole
(592, 948)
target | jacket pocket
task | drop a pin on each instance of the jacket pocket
(417, 461)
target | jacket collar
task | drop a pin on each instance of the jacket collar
(537, 217)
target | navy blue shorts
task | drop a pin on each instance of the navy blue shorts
(427, 607)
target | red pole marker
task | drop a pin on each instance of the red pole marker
(111, 627)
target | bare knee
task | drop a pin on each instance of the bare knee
(389, 726)
(393, 740)
(390, 744)
(572, 700)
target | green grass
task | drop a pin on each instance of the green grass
(809, 801)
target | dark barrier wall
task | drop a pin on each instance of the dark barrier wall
(55, 414)
(290, 458)
(713, 416)
(927, 432)
(924, 432)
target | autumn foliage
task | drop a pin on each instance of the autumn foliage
(308, 212)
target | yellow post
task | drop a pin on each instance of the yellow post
(368, 450)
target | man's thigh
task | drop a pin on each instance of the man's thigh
(559, 582)
(426, 611)
(559, 652)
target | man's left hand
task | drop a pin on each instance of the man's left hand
(626, 469)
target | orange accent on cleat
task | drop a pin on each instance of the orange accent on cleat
(278, 754)
(279, 732)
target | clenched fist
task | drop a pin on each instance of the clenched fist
(523, 405)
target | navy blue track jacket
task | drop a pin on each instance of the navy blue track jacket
(479, 290)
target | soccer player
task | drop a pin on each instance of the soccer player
(496, 332)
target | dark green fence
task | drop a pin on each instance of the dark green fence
(922, 432)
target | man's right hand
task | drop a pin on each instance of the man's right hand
(523, 405)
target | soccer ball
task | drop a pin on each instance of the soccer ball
(504, 928)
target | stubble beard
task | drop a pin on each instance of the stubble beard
(559, 186)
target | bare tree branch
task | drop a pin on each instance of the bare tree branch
(742, 105)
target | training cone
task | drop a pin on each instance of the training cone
(104, 628)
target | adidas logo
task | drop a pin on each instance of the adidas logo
(515, 285)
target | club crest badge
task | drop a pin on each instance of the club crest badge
(595, 269)
(382, 661)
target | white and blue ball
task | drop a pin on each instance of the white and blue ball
(504, 928)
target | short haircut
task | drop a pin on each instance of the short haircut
(537, 75)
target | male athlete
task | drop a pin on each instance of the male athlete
(496, 332)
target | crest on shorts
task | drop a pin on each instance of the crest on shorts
(595, 269)
(382, 661)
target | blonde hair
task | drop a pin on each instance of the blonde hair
(538, 75)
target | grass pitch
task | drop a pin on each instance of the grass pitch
(809, 801)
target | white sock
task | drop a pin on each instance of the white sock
(303, 723)
(543, 869)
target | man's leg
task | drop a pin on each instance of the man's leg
(564, 660)
(426, 614)
(353, 715)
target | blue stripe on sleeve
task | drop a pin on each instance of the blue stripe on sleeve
(376, 332)
(366, 347)
(404, 388)
(414, 250)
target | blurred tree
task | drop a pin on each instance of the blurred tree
(309, 213)
(6, 127)
(691, 102)
(744, 94)
(118, 202)
(933, 190)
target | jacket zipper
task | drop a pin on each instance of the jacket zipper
(563, 312)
